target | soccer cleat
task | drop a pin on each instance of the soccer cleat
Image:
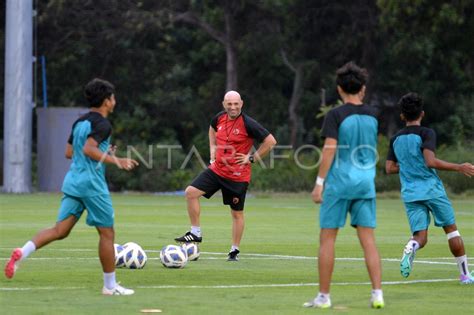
(377, 302)
(467, 279)
(406, 264)
(11, 266)
(318, 302)
(233, 255)
(118, 290)
(189, 238)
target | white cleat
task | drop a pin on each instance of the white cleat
(118, 290)
(318, 303)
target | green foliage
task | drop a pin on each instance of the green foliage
(160, 169)
(453, 181)
(286, 174)
(420, 54)
(170, 76)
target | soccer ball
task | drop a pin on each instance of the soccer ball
(119, 262)
(129, 244)
(192, 250)
(173, 256)
(134, 256)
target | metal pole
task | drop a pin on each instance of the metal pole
(45, 85)
(18, 96)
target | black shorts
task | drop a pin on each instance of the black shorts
(233, 193)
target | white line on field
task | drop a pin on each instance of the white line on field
(248, 256)
(258, 257)
(216, 253)
(239, 286)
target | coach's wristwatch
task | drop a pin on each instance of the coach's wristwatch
(251, 159)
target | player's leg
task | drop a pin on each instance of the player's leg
(326, 256)
(456, 245)
(327, 240)
(206, 184)
(69, 212)
(107, 260)
(373, 263)
(419, 220)
(363, 218)
(194, 208)
(238, 225)
(443, 214)
(100, 214)
(332, 216)
(233, 194)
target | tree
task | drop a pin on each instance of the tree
(426, 50)
(227, 9)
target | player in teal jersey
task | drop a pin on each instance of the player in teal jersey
(85, 187)
(412, 154)
(345, 182)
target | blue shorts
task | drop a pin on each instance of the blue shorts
(418, 213)
(333, 212)
(100, 212)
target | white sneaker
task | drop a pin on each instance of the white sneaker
(118, 290)
(318, 303)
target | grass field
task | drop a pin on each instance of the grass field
(276, 273)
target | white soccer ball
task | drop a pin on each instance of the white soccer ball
(119, 262)
(134, 256)
(129, 244)
(192, 250)
(173, 256)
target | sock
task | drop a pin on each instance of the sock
(413, 244)
(462, 265)
(196, 230)
(233, 247)
(377, 293)
(27, 249)
(109, 280)
(323, 296)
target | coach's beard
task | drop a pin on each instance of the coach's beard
(233, 115)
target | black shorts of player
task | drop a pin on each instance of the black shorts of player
(233, 193)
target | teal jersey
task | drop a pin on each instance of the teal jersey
(418, 181)
(86, 177)
(352, 172)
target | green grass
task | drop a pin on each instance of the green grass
(65, 277)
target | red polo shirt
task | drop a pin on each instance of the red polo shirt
(235, 136)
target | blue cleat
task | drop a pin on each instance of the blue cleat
(406, 264)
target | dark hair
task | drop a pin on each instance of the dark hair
(351, 78)
(411, 105)
(97, 90)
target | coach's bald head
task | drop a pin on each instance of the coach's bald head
(232, 104)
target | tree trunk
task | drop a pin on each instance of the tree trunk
(226, 39)
(297, 93)
(231, 53)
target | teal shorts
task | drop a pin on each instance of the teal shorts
(100, 212)
(418, 213)
(333, 212)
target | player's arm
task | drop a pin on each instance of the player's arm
(391, 164)
(392, 167)
(68, 152)
(329, 151)
(91, 149)
(433, 162)
(267, 144)
(212, 144)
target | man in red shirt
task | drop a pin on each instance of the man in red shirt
(231, 137)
